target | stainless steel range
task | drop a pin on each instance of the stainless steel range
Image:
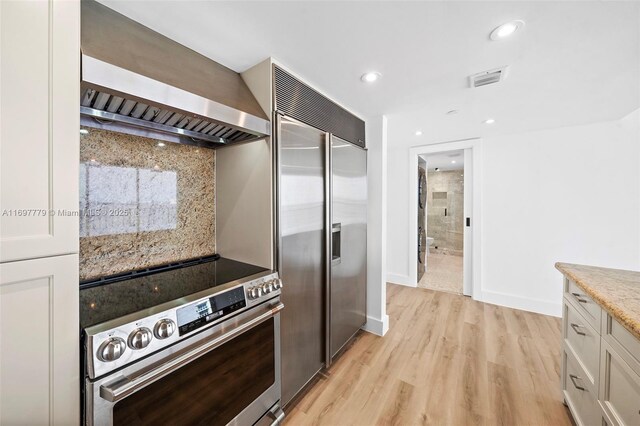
(197, 343)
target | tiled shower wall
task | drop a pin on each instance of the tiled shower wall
(143, 203)
(445, 211)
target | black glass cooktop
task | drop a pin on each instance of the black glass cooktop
(100, 303)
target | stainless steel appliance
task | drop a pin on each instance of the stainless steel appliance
(137, 81)
(301, 251)
(198, 344)
(322, 202)
(348, 299)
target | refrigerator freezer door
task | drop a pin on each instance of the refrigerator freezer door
(301, 195)
(349, 215)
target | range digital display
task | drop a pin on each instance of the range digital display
(198, 314)
(194, 312)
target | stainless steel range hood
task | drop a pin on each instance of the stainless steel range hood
(138, 81)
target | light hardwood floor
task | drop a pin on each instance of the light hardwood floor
(446, 360)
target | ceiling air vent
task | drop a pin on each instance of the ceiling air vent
(488, 77)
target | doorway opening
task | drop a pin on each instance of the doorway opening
(444, 207)
(441, 221)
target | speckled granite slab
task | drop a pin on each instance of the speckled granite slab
(616, 290)
(143, 203)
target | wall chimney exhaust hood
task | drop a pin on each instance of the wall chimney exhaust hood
(137, 81)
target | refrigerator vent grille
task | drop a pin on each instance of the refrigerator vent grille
(297, 100)
(488, 77)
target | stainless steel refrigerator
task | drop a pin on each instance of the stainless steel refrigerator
(322, 227)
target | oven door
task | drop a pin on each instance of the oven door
(228, 374)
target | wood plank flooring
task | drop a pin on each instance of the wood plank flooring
(446, 360)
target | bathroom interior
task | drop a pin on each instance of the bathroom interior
(441, 221)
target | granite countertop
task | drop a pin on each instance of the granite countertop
(616, 290)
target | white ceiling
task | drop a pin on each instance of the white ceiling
(443, 160)
(573, 63)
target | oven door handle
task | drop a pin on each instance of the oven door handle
(123, 386)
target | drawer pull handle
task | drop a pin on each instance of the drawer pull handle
(573, 380)
(580, 298)
(576, 328)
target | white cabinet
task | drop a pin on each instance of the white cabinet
(620, 374)
(581, 355)
(39, 158)
(39, 128)
(600, 364)
(39, 342)
(619, 388)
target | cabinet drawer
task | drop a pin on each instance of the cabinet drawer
(580, 397)
(589, 309)
(622, 341)
(584, 341)
(619, 388)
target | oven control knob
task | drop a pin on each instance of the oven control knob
(277, 283)
(255, 292)
(164, 328)
(268, 287)
(111, 349)
(140, 338)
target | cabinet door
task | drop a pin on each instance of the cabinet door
(39, 352)
(619, 388)
(39, 128)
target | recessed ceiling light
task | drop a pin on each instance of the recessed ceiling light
(437, 169)
(418, 132)
(453, 111)
(453, 161)
(370, 77)
(506, 29)
(489, 121)
(84, 131)
(161, 144)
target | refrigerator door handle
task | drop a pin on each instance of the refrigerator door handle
(336, 240)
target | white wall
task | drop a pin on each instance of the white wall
(570, 194)
(377, 318)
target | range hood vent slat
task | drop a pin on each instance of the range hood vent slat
(127, 106)
(138, 110)
(114, 103)
(192, 124)
(215, 129)
(151, 113)
(162, 117)
(101, 100)
(174, 119)
(87, 97)
(201, 126)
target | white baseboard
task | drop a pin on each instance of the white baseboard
(400, 279)
(523, 303)
(377, 326)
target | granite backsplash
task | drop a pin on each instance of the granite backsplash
(143, 203)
